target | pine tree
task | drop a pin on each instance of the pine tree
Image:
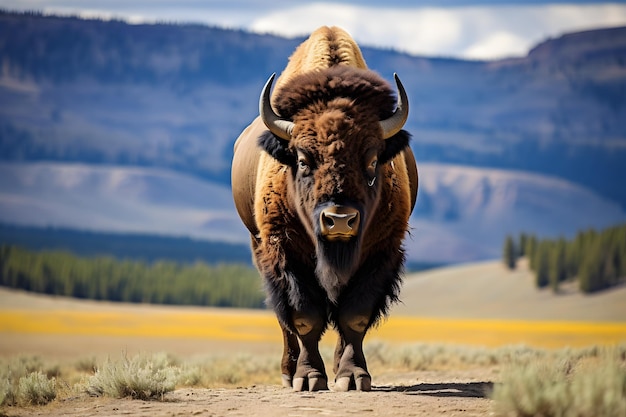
(510, 254)
(531, 246)
(590, 274)
(557, 272)
(542, 264)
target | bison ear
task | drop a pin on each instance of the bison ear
(278, 148)
(394, 145)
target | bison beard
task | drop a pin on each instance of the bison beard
(336, 262)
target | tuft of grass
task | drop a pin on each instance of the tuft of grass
(429, 356)
(583, 384)
(141, 377)
(233, 370)
(86, 365)
(576, 382)
(27, 381)
(36, 389)
(5, 391)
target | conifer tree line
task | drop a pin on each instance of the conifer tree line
(596, 260)
(107, 278)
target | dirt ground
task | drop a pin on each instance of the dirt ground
(427, 393)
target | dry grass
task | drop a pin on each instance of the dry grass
(141, 377)
(27, 381)
(36, 389)
(34, 381)
(231, 370)
(582, 384)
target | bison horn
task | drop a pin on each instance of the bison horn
(394, 124)
(280, 127)
(284, 128)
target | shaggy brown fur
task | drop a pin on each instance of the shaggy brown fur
(281, 188)
(325, 48)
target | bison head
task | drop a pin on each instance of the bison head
(337, 130)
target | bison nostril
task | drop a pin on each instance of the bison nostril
(328, 221)
(339, 221)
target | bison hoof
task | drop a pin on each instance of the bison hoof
(312, 383)
(287, 381)
(346, 383)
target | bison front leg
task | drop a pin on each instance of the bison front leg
(303, 322)
(366, 299)
(291, 352)
(310, 373)
(350, 365)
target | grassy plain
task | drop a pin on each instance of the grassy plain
(479, 305)
(457, 331)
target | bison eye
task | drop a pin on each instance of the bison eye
(371, 168)
(305, 163)
(304, 167)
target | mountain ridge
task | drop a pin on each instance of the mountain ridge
(172, 98)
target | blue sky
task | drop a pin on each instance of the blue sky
(484, 29)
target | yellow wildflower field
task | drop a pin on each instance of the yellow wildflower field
(261, 326)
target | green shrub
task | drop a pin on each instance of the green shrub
(26, 380)
(600, 391)
(590, 384)
(36, 389)
(141, 377)
(6, 391)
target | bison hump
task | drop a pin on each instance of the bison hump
(362, 86)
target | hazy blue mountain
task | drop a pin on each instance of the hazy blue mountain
(94, 102)
(462, 213)
(147, 247)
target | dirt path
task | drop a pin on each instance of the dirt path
(427, 393)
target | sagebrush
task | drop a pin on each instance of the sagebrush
(141, 377)
(591, 385)
(532, 382)
(27, 381)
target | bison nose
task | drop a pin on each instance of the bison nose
(339, 222)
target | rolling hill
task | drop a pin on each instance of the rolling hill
(487, 290)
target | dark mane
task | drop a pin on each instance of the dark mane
(365, 87)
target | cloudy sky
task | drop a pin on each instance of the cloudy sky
(484, 29)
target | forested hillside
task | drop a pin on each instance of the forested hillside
(596, 260)
(105, 278)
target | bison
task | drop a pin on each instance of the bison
(325, 181)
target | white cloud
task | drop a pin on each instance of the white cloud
(480, 32)
(474, 31)
(496, 45)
